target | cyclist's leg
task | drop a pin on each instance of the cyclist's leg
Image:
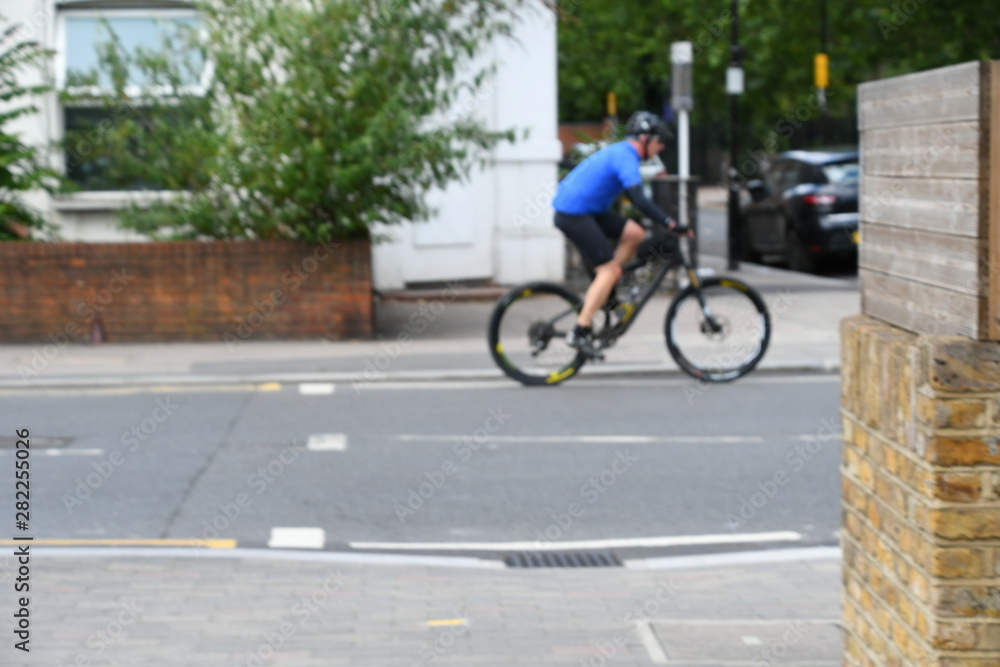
(591, 239)
(607, 275)
(632, 236)
(628, 232)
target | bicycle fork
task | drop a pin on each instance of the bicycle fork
(710, 325)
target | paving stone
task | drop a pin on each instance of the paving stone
(216, 612)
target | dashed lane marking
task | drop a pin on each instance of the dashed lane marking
(317, 388)
(297, 538)
(327, 442)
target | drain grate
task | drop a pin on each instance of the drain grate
(570, 559)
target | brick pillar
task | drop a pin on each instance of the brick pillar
(921, 497)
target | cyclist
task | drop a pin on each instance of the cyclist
(583, 213)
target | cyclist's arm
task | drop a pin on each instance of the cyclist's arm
(649, 209)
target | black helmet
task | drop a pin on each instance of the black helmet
(646, 122)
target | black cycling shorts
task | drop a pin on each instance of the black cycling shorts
(591, 233)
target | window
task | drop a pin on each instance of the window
(783, 175)
(88, 117)
(845, 173)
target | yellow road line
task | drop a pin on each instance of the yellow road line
(445, 622)
(210, 544)
(136, 390)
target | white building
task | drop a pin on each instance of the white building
(496, 226)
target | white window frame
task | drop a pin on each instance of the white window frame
(59, 59)
(103, 200)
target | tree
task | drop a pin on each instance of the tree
(625, 47)
(21, 165)
(321, 119)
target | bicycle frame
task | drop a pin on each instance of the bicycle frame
(608, 335)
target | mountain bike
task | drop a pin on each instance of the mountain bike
(717, 328)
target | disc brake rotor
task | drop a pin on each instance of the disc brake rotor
(539, 335)
(720, 331)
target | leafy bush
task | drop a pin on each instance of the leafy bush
(21, 166)
(321, 118)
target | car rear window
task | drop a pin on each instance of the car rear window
(845, 173)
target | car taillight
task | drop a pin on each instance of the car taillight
(820, 200)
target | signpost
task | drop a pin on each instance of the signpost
(682, 100)
(734, 87)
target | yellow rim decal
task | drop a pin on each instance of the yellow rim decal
(731, 283)
(499, 349)
(629, 311)
(693, 277)
(559, 377)
(527, 293)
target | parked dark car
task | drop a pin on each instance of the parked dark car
(805, 209)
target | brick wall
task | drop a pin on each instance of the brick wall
(187, 290)
(569, 133)
(921, 497)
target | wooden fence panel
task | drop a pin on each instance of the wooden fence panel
(930, 200)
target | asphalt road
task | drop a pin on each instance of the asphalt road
(634, 465)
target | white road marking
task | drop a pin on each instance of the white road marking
(297, 538)
(734, 558)
(317, 388)
(816, 436)
(72, 452)
(585, 381)
(589, 439)
(619, 439)
(327, 442)
(650, 643)
(730, 622)
(623, 543)
(751, 641)
(268, 554)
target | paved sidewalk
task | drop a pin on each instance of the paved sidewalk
(302, 609)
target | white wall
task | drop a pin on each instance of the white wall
(499, 225)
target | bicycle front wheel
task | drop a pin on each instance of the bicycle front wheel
(722, 338)
(527, 334)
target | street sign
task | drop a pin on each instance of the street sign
(734, 81)
(681, 57)
(822, 74)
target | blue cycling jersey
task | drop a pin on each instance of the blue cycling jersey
(595, 183)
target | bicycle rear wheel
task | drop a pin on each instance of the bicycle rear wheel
(527, 334)
(726, 339)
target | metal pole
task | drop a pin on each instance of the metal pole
(822, 89)
(734, 85)
(683, 165)
(682, 100)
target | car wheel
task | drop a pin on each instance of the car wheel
(799, 258)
